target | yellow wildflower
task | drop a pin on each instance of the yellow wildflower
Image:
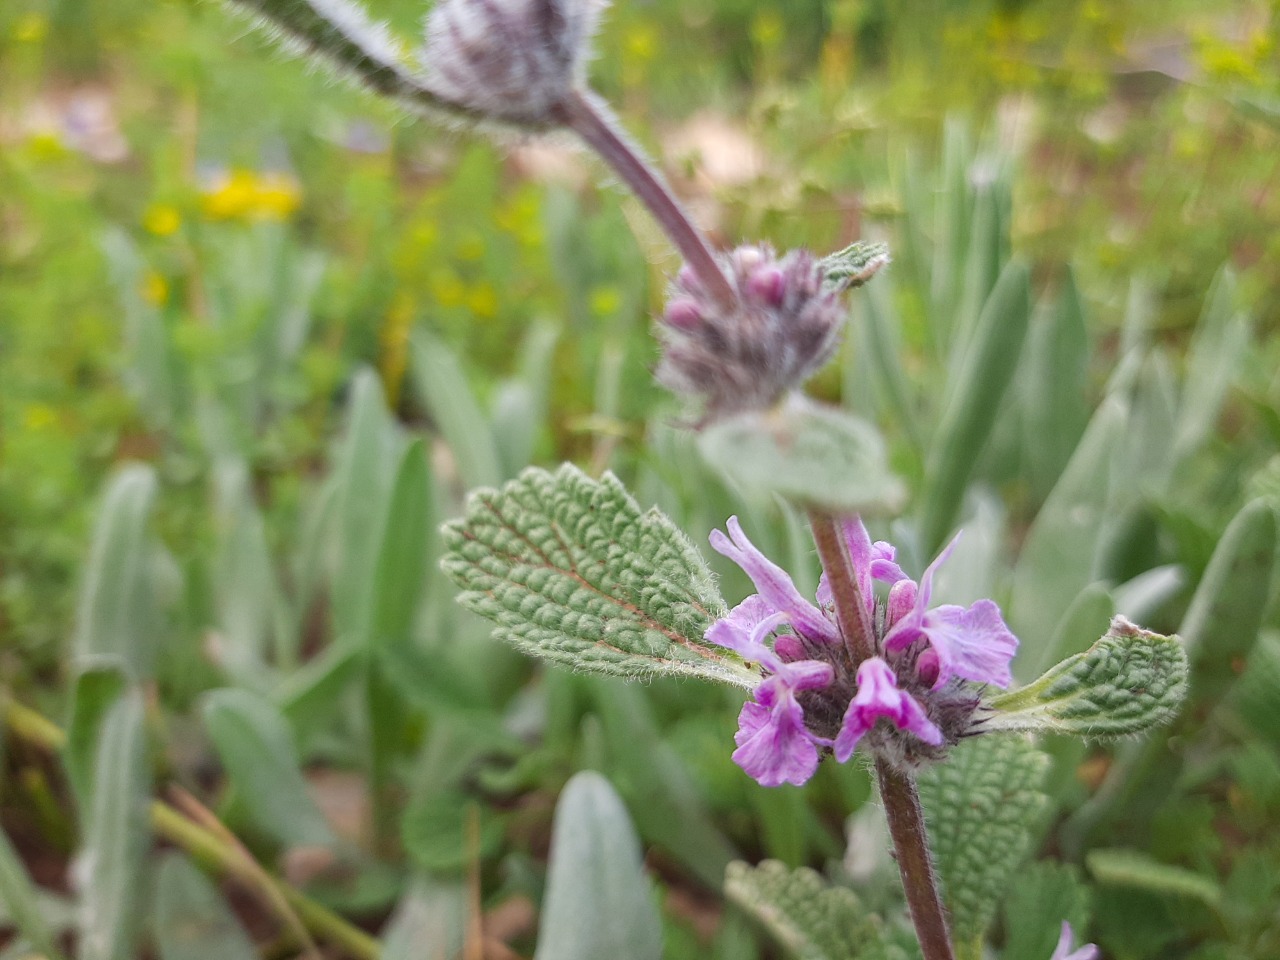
(605, 301)
(482, 301)
(39, 416)
(154, 289)
(246, 195)
(31, 28)
(162, 219)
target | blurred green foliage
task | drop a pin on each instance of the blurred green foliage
(258, 333)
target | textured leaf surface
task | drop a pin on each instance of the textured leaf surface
(1127, 682)
(855, 264)
(812, 455)
(981, 806)
(811, 918)
(598, 904)
(571, 571)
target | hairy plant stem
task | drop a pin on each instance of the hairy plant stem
(208, 848)
(851, 612)
(591, 119)
(911, 846)
(897, 789)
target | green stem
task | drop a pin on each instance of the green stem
(911, 846)
(207, 847)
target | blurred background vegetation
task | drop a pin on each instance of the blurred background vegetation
(248, 313)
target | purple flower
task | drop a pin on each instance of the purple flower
(814, 696)
(774, 745)
(1064, 952)
(775, 586)
(878, 696)
(970, 643)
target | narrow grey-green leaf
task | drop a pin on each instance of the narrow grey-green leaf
(116, 836)
(428, 923)
(21, 901)
(438, 375)
(366, 471)
(598, 903)
(116, 615)
(812, 455)
(256, 747)
(1134, 868)
(191, 920)
(1126, 683)
(1226, 611)
(974, 402)
(981, 807)
(402, 557)
(97, 687)
(811, 918)
(571, 570)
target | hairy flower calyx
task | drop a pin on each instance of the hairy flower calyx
(511, 60)
(907, 702)
(780, 328)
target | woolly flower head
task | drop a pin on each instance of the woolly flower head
(512, 60)
(781, 327)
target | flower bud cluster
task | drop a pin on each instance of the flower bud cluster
(512, 60)
(781, 327)
(907, 702)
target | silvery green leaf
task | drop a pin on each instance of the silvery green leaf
(1127, 682)
(20, 901)
(572, 571)
(599, 903)
(1133, 868)
(981, 807)
(812, 455)
(116, 836)
(428, 922)
(191, 920)
(811, 918)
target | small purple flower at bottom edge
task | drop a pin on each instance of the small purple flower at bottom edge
(1064, 952)
(774, 745)
(878, 696)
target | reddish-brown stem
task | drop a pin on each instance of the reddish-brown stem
(851, 609)
(591, 119)
(911, 846)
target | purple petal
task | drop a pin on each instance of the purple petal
(902, 600)
(774, 747)
(858, 541)
(1064, 951)
(883, 565)
(973, 644)
(745, 628)
(878, 696)
(774, 585)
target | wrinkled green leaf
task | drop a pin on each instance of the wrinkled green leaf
(981, 807)
(598, 902)
(572, 571)
(116, 836)
(1127, 682)
(813, 455)
(255, 746)
(191, 920)
(855, 264)
(811, 918)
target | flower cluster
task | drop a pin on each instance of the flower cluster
(781, 328)
(908, 702)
